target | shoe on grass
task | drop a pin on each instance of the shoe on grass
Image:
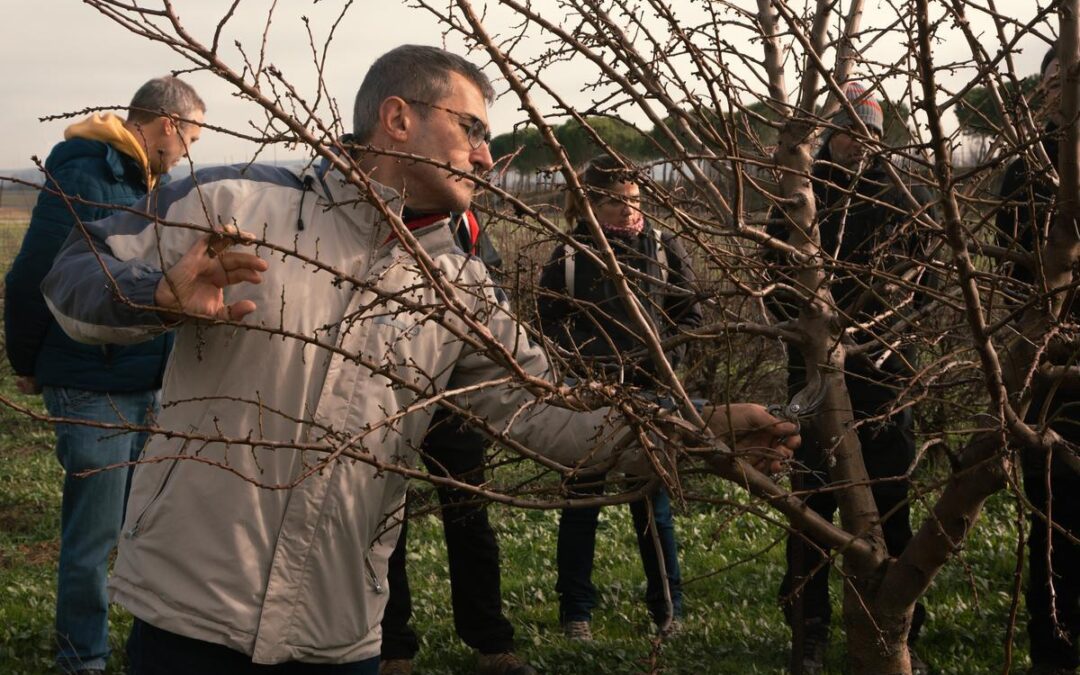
(815, 645)
(503, 663)
(578, 630)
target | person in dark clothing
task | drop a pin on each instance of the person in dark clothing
(105, 162)
(861, 217)
(1053, 590)
(580, 310)
(452, 448)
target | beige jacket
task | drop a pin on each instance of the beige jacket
(267, 550)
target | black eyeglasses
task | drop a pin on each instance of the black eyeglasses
(477, 132)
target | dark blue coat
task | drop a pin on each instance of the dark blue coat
(93, 171)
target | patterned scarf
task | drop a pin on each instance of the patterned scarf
(625, 229)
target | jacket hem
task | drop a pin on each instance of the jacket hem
(198, 627)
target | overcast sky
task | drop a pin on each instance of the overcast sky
(62, 56)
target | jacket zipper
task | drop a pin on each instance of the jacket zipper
(371, 573)
(133, 531)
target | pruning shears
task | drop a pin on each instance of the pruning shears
(803, 405)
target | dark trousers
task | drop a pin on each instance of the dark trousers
(152, 651)
(577, 548)
(454, 449)
(888, 449)
(1054, 645)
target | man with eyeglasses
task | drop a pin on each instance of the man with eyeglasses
(315, 372)
(105, 163)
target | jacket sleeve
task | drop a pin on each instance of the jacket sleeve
(552, 305)
(26, 316)
(1014, 215)
(682, 308)
(776, 268)
(99, 281)
(567, 436)
(919, 244)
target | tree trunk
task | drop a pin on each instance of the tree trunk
(876, 638)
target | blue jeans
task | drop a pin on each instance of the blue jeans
(577, 547)
(92, 513)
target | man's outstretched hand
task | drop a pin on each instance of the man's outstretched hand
(193, 286)
(765, 441)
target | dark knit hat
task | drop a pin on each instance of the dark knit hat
(866, 107)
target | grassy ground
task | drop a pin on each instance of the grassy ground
(732, 564)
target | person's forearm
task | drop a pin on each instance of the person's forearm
(97, 298)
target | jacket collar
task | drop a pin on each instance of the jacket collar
(349, 200)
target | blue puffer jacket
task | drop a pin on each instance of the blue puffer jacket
(96, 172)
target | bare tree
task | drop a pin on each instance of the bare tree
(699, 74)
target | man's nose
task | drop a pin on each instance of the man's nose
(481, 159)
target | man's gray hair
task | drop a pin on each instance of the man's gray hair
(412, 72)
(166, 95)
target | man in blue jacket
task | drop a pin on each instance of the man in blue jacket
(104, 163)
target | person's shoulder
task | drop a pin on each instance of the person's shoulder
(668, 238)
(237, 176)
(253, 173)
(1016, 177)
(81, 153)
(234, 180)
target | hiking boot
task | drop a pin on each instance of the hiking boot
(918, 666)
(815, 645)
(577, 630)
(395, 667)
(504, 663)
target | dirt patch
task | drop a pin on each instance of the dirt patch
(40, 552)
(20, 518)
(34, 554)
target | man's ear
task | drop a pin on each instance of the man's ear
(395, 118)
(168, 126)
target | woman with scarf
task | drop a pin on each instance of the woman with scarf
(581, 311)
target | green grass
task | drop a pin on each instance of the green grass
(732, 565)
(732, 624)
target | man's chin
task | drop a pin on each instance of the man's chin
(463, 201)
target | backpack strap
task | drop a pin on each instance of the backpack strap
(569, 269)
(661, 254)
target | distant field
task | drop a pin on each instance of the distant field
(11, 236)
(15, 205)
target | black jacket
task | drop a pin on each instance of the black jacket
(594, 322)
(1024, 223)
(860, 229)
(1018, 226)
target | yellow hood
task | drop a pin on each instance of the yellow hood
(109, 128)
